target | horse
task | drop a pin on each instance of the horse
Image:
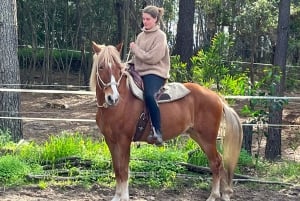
(200, 114)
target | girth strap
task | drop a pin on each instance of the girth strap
(141, 125)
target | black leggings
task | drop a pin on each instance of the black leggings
(152, 83)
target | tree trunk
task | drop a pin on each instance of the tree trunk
(247, 139)
(273, 146)
(9, 69)
(126, 28)
(184, 37)
(46, 63)
(119, 8)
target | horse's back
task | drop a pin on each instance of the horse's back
(200, 109)
(208, 105)
(203, 94)
(199, 100)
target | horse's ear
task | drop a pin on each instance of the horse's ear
(119, 46)
(96, 47)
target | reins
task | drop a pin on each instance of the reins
(128, 55)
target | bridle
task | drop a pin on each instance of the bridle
(102, 85)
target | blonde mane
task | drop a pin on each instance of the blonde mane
(108, 54)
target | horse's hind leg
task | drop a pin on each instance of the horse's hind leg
(215, 163)
(226, 189)
(120, 152)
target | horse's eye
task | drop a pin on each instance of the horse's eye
(101, 67)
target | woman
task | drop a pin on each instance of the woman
(152, 62)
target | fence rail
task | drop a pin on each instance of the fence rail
(49, 91)
(77, 92)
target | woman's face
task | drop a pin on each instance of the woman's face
(148, 21)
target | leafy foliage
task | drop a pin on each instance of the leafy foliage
(258, 14)
(12, 170)
(264, 87)
(210, 68)
(5, 137)
(209, 65)
(178, 72)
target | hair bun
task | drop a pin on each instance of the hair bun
(161, 11)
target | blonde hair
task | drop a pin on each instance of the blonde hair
(155, 12)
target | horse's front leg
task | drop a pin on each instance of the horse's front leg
(120, 152)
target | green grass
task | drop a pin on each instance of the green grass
(149, 165)
(285, 171)
(156, 166)
(12, 170)
(63, 146)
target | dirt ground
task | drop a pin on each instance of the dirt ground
(84, 107)
(100, 193)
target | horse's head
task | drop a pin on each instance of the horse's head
(107, 72)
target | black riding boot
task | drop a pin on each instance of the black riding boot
(158, 135)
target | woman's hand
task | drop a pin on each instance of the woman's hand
(132, 45)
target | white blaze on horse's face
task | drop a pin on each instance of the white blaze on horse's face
(112, 98)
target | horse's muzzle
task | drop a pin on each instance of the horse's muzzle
(111, 100)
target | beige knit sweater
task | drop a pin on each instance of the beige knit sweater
(151, 53)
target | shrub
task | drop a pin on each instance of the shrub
(12, 170)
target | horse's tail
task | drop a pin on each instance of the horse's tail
(232, 141)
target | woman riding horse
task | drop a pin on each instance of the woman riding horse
(199, 114)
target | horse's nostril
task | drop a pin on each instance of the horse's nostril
(112, 100)
(115, 100)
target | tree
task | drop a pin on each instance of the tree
(273, 146)
(184, 37)
(123, 12)
(9, 69)
(254, 25)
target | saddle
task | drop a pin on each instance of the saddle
(168, 93)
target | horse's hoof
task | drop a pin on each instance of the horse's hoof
(225, 197)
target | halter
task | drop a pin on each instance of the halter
(102, 85)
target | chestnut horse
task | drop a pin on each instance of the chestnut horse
(200, 114)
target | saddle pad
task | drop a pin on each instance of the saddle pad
(170, 92)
